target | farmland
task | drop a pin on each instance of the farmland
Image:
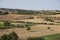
(26, 25)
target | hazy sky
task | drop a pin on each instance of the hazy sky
(31, 4)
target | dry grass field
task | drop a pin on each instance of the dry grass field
(36, 30)
(13, 17)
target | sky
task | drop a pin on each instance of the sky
(31, 4)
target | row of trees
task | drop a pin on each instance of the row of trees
(7, 25)
(21, 11)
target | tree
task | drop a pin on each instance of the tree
(11, 36)
(49, 20)
(4, 37)
(6, 23)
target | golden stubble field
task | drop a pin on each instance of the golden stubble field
(36, 30)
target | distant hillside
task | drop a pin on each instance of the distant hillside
(29, 12)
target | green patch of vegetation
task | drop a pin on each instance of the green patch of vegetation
(52, 37)
(49, 20)
(19, 22)
(36, 38)
(0, 24)
(11, 36)
(6, 23)
(20, 26)
(47, 37)
(30, 23)
(24, 24)
(31, 18)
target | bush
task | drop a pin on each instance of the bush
(31, 18)
(49, 20)
(0, 24)
(4, 37)
(28, 28)
(48, 27)
(20, 26)
(3, 27)
(19, 22)
(6, 23)
(11, 36)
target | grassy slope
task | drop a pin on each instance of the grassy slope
(52, 37)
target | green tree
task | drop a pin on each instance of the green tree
(6, 23)
(11, 36)
(4, 37)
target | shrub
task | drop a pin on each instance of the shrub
(3, 28)
(49, 20)
(31, 18)
(48, 27)
(19, 22)
(6, 23)
(20, 26)
(4, 37)
(0, 24)
(28, 28)
(11, 36)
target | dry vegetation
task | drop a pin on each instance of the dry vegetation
(40, 27)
